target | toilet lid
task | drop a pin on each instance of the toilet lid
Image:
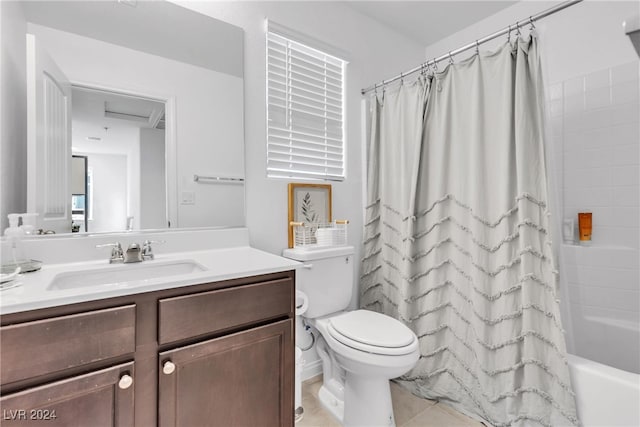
(372, 332)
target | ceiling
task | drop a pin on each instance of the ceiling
(426, 22)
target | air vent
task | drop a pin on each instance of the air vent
(134, 110)
(126, 116)
(132, 3)
(94, 138)
(161, 123)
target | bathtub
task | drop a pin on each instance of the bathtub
(605, 396)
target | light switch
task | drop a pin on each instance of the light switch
(188, 198)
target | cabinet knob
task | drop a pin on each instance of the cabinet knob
(168, 367)
(125, 381)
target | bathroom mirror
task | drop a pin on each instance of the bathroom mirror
(183, 164)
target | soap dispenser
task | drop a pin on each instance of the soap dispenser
(29, 223)
(15, 234)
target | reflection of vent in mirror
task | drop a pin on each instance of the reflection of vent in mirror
(124, 116)
(161, 123)
(134, 109)
(132, 3)
(113, 108)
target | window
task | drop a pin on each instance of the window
(305, 111)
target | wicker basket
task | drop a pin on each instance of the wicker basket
(320, 235)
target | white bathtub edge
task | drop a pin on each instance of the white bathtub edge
(605, 396)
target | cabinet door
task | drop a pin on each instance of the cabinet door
(100, 398)
(243, 379)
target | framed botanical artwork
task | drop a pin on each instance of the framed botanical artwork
(309, 203)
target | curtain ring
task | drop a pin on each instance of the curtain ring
(435, 65)
(531, 22)
(518, 29)
(477, 48)
(401, 78)
(509, 35)
(450, 58)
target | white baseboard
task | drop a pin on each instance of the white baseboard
(311, 369)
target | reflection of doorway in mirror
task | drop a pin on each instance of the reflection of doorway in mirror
(122, 137)
(79, 193)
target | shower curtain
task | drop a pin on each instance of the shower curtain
(457, 238)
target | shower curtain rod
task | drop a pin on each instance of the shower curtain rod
(478, 42)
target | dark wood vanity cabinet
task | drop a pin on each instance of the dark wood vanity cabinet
(215, 354)
(234, 380)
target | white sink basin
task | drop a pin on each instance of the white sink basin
(123, 275)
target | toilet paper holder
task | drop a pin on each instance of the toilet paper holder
(302, 303)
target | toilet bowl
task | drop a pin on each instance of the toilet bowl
(370, 348)
(361, 350)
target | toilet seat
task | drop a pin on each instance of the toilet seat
(372, 332)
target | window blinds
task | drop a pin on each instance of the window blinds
(305, 137)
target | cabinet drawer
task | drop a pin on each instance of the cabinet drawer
(95, 399)
(46, 346)
(209, 312)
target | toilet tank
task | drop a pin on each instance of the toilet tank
(326, 277)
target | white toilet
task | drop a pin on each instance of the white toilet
(361, 350)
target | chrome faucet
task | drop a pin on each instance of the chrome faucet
(134, 252)
(116, 252)
(147, 250)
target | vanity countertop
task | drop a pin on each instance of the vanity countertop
(218, 264)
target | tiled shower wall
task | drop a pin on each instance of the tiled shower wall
(595, 122)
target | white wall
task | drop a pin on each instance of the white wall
(109, 186)
(208, 105)
(578, 40)
(374, 52)
(153, 194)
(592, 76)
(13, 111)
(155, 27)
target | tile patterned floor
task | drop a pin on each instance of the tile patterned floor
(409, 410)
